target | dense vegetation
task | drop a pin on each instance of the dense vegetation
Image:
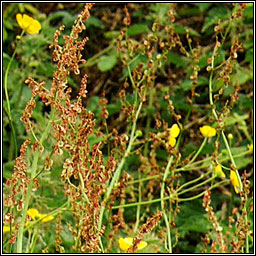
(146, 146)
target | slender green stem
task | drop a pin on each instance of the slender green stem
(8, 101)
(82, 183)
(171, 197)
(118, 170)
(192, 181)
(197, 185)
(216, 117)
(168, 231)
(28, 242)
(162, 203)
(33, 240)
(201, 194)
(151, 96)
(141, 180)
(166, 173)
(138, 208)
(143, 202)
(198, 152)
(27, 198)
(121, 164)
(93, 60)
(232, 160)
(188, 168)
(30, 186)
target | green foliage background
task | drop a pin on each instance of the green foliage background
(106, 73)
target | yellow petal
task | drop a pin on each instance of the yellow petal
(142, 245)
(33, 213)
(24, 20)
(171, 141)
(34, 27)
(175, 131)
(125, 243)
(6, 229)
(27, 20)
(208, 131)
(29, 24)
(19, 20)
(234, 181)
(46, 218)
(218, 171)
(250, 147)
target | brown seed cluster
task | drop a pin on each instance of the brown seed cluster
(17, 187)
(220, 244)
(148, 227)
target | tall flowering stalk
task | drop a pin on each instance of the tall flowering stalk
(71, 133)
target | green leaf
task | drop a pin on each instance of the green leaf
(203, 6)
(161, 154)
(94, 22)
(106, 63)
(203, 61)
(8, 169)
(176, 59)
(186, 85)
(214, 15)
(192, 217)
(231, 120)
(207, 149)
(179, 102)
(182, 30)
(189, 148)
(6, 59)
(150, 110)
(248, 12)
(242, 76)
(245, 102)
(111, 34)
(114, 108)
(5, 34)
(242, 162)
(67, 237)
(136, 61)
(93, 139)
(249, 55)
(137, 29)
(191, 11)
(46, 68)
(238, 150)
(31, 9)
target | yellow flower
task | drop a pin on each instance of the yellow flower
(218, 171)
(174, 133)
(33, 213)
(142, 245)
(207, 131)
(45, 218)
(28, 24)
(230, 136)
(6, 228)
(235, 181)
(250, 147)
(126, 243)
